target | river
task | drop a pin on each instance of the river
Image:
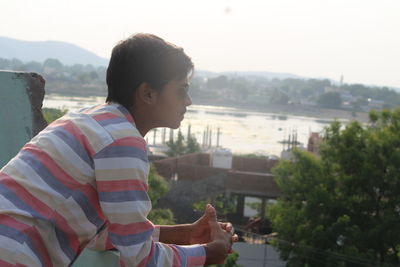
(241, 131)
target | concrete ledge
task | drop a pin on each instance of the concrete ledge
(21, 97)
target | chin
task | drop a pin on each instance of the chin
(175, 126)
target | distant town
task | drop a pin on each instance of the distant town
(256, 91)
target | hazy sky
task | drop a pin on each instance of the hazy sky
(359, 39)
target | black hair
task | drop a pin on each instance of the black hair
(144, 58)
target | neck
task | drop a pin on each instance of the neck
(141, 122)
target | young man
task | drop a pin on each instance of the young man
(83, 180)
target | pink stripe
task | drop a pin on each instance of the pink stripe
(121, 185)
(109, 245)
(30, 231)
(64, 178)
(11, 222)
(105, 116)
(196, 260)
(70, 127)
(7, 264)
(144, 262)
(79, 136)
(177, 257)
(91, 110)
(132, 228)
(44, 210)
(137, 142)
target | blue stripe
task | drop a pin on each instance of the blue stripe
(64, 243)
(122, 152)
(153, 260)
(182, 253)
(23, 206)
(112, 121)
(123, 110)
(21, 237)
(129, 240)
(195, 251)
(52, 181)
(122, 196)
(19, 203)
(73, 143)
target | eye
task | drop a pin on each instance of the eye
(184, 90)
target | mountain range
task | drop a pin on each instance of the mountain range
(70, 54)
(39, 51)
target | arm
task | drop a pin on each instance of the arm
(194, 233)
(121, 178)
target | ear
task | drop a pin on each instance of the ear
(146, 94)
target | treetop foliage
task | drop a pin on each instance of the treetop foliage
(343, 208)
(180, 146)
(247, 90)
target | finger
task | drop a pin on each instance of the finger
(229, 227)
(212, 217)
(205, 214)
(223, 225)
(234, 238)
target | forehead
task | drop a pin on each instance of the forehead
(178, 83)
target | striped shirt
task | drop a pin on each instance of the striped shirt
(83, 180)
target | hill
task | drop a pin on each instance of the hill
(67, 53)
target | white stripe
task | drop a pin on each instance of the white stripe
(38, 182)
(115, 127)
(7, 206)
(56, 253)
(142, 207)
(15, 248)
(121, 163)
(86, 123)
(130, 251)
(70, 155)
(21, 167)
(164, 255)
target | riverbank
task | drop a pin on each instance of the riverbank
(297, 110)
(294, 109)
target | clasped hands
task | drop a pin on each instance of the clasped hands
(216, 237)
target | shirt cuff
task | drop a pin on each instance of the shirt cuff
(156, 233)
(195, 255)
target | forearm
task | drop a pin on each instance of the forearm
(175, 234)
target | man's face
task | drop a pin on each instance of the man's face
(171, 103)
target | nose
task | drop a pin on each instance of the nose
(188, 100)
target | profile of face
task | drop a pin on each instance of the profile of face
(170, 104)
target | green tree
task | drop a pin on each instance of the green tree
(330, 100)
(176, 147)
(181, 147)
(54, 64)
(192, 146)
(342, 209)
(279, 97)
(158, 187)
(230, 261)
(222, 204)
(51, 114)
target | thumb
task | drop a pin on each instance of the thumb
(212, 216)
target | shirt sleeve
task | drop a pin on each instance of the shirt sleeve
(121, 171)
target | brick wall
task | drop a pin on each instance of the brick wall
(197, 172)
(252, 164)
(252, 184)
